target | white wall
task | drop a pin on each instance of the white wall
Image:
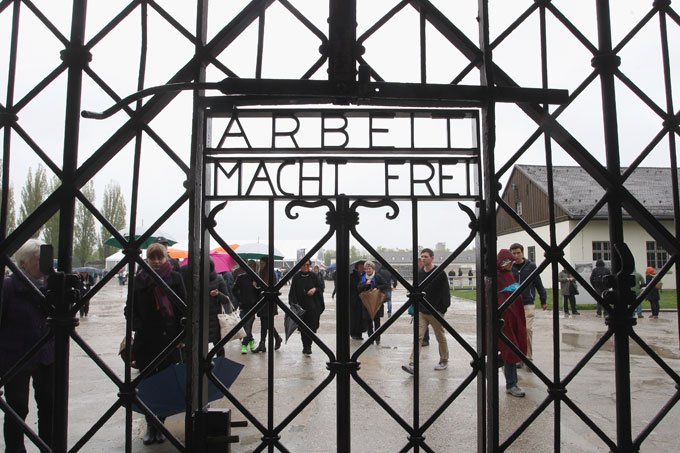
(581, 248)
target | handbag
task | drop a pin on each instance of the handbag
(126, 353)
(372, 300)
(574, 288)
(228, 321)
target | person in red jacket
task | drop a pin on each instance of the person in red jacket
(514, 322)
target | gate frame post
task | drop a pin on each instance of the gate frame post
(606, 63)
(342, 236)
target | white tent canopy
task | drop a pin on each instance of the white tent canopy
(114, 259)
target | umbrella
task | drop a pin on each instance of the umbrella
(221, 249)
(256, 250)
(289, 324)
(372, 300)
(177, 254)
(165, 392)
(223, 262)
(125, 232)
(88, 269)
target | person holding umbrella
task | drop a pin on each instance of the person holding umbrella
(370, 280)
(155, 320)
(305, 291)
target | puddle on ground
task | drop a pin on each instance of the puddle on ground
(586, 341)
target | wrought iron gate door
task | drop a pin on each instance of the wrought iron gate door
(330, 159)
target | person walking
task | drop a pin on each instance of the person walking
(245, 292)
(597, 279)
(368, 281)
(23, 322)
(155, 320)
(653, 296)
(217, 301)
(319, 277)
(522, 268)
(637, 289)
(569, 290)
(390, 283)
(305, 291)
(263, 313)
(438, 295)
(514, 322)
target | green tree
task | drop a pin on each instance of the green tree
(11, 211)
(85, 238)
(115, 211)
(327, 256)
(33, 193)
(51, 231)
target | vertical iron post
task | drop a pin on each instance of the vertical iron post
(197, 325)
(342, 33)
(76, 57)
(488, 229)
(342, 329)
(606, 63)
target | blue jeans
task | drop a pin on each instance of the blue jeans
(388, 300)
(510, 372)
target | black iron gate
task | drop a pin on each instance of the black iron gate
(238, 171)
(344, 52)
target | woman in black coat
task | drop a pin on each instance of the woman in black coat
(155, 319)
(305, 291)
(369, 280)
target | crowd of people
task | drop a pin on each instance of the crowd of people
(155, 315)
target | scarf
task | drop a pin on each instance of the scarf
(366, 280)
(161, 302)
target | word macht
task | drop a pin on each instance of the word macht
(295, 178)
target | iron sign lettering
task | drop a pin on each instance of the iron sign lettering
(319, 152)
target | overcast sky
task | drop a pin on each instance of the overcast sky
(289, 50)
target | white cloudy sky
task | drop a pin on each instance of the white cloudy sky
(290, 49)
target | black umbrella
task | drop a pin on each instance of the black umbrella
(289, 323)
(165, 392)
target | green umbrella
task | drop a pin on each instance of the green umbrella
(256, 250)
(157, 236)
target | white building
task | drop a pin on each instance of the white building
(576, 193)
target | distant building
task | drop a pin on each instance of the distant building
(575, 194)
(402, 260)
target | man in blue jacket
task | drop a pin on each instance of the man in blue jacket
(522, 269)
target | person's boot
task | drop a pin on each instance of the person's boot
(261, 347)
(149, 436)
(160, 437)
(277, 342)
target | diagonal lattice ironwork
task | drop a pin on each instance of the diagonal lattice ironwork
(74, 65)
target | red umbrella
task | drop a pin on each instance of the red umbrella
(223, 262)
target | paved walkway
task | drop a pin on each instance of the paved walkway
(372, 428)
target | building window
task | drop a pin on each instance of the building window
(602, 251)
(531, 254)
(518, 208)
(656, 256)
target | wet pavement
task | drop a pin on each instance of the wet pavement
(373, 429)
